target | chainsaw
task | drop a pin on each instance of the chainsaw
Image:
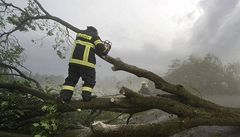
(108, 46)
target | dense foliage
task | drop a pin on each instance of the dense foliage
(206, 74)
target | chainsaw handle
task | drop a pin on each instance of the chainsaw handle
(107, 42)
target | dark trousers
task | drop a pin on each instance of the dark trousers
(88, 75)
(75, 72)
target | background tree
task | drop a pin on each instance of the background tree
(206, 74)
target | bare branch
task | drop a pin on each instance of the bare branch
(8, 134)
(128, 120)
(64, 23)
(137, 103)
(5, 74)
(37, 18)
(160, 83)
(22, 75)
(23, 90)
(41, 7)
(22, 23)
(111, 120)
(94, 114)
(11, 5)
(68, 37)
(129, 93)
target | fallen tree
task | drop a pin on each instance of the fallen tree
(191, 110)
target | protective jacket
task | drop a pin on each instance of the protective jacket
(86, 45)
(82, 64)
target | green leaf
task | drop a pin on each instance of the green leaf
(37, 135)
(44, 108)
(35, 124)
(54, 126)
(45, 125)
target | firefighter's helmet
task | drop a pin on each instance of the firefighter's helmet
(93, 30)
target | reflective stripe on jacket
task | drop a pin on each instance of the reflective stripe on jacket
(86, 45)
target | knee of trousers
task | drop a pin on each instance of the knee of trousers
(89, 84)
(71, 81)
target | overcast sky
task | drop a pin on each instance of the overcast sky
(146, 33)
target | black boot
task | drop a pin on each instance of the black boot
(86, 96)
(66, 95)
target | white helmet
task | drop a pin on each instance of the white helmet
(144, 82)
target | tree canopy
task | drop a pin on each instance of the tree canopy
(206, 74)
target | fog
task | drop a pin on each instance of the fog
(217, 30)
(148, 34)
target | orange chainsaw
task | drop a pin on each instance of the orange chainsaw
(108, 46)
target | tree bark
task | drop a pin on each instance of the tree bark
(9, 134)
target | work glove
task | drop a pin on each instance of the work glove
(108, 46)
(66, 95)
(86, 96)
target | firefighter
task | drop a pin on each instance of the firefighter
(82, 63)
(144, 89)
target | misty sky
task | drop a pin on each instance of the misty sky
(146, 33)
